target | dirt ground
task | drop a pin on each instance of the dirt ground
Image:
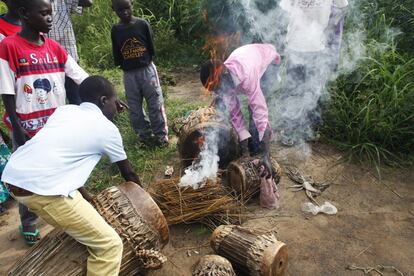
(374, 224)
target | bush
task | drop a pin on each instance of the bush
(173, 24)
(371, 111)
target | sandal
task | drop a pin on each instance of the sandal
(31, 238)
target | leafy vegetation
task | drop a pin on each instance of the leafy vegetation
(176, 26)
(370, 114)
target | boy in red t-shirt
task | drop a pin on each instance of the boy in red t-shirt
(32, 64)
(9, 22)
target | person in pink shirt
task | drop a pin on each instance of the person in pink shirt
(241, 74)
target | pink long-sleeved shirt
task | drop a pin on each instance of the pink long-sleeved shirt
(247, 65)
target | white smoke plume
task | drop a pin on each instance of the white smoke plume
(295, 103)
(206, 166)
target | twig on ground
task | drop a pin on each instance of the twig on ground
(379, 269)
(207, 244)
(363, 251)
(386, 185)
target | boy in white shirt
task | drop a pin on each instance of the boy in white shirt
(48, 172)
(308, 64)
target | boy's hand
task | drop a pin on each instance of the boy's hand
(86, 195)
(121, 106)
(267, 165)
(20, 136)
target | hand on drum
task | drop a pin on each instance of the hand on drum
(267, 168)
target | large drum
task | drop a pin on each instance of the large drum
(191, 135)
(131, 212)
(244, 176)
(253, 252)
(213, 265)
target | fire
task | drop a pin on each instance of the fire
(200, 141)
(219, 47)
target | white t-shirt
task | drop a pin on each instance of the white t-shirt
(308, 21)
(60, 157)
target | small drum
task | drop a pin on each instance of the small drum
(135, 217)
(244, 177)
(213, 265)
(253, 252)
(191, 135)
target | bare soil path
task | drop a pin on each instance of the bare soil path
(374, 225)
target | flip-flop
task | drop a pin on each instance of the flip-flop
(26, 234)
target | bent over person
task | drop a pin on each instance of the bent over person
(241, 74)
(48, 172)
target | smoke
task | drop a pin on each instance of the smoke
(295, 103)
(207, 166)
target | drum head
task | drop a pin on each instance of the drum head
(236, 177)
(146, 207)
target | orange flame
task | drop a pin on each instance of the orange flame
(199, 141)
(219, 48)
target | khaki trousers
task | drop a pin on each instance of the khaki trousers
(81, 221)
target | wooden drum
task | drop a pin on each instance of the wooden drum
(253, 252)
(244, 177)
(190, 132)
(213, 265)
(135, 217)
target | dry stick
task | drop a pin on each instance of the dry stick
(378, 268)
(206, 244)
(386, 185)
(362, 252)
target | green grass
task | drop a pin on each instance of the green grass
(370, 114)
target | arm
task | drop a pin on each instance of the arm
(257, 103)
(258, 106)
(337, 15)
(19, 134)
(236, 116)
(72, 7)
(128, 172)
(116, 52)
(265, 160)
(74, 71)
(86, 195)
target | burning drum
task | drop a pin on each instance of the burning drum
(135, 217)
(192, 130)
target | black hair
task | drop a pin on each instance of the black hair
(94, 87)
(207, 71)
(114, 1)
(27, 4)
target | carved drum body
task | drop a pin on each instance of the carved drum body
(191, 136)
(244, 176)
(253, 252)
(213, 265)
